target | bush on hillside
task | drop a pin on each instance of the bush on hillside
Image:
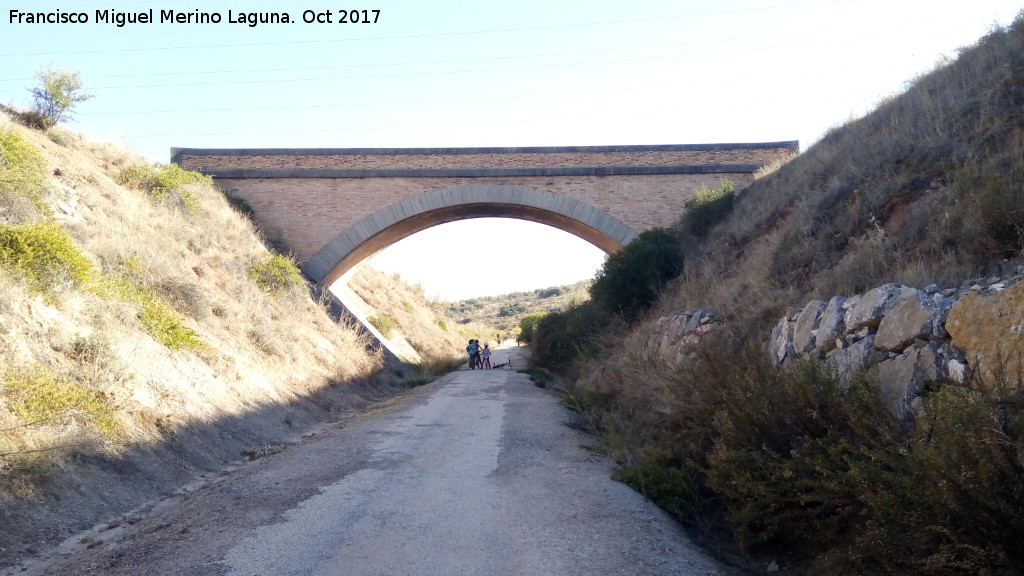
(165, 183)
(275, 274)
(36, 395)
(707, 207)
(384, 324)
(165, 325)
(631, 279)
(158, 317)
(511, 309)
(562, 339)
(528, 326)
(22, 180)
(549, 292)
(45, 256)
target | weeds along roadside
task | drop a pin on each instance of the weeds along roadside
(809, 468)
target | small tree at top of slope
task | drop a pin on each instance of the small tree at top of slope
(56, 95)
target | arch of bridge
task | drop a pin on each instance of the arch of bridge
(404, 218)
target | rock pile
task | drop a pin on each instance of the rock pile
(916, 338)
(674, 336)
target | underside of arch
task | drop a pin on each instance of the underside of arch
(389, 225)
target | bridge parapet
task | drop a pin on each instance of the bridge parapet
(693, 157)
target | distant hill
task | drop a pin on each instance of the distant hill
(504, 311)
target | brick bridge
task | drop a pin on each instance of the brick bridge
(333, 208)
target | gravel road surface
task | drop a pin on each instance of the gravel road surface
(476, 473)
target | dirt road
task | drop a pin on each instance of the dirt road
(476, 473)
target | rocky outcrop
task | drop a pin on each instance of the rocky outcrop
(989, 328)
(674, 336)
(917, 338)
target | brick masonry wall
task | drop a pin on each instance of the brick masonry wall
(306, 213)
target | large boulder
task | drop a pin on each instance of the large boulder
(674, 337)
(990, 330)
(781, 344)
(803, 329)
(912, 319)
(831, 325)
(854, 357)
(869, 310)
(907, 376)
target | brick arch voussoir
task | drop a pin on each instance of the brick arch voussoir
(392, 223)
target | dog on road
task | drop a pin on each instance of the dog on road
(503, 365)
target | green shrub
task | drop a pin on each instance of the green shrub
(561, 339)
(165, 325)
(157, 316)
(670, 482)
(631, 279)
(383, 323)
(242, 207)
(528, 326)
(793, 452)
(275, 274)
(138, 177)
(443, 325)
(39, 395)
(548, 292)
(44, 255)
(166, 183)
(22, 175)
(954, 496)
(539, 376)
(512, 309)
(707, 207)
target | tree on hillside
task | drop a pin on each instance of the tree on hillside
(631, 279)
(55, 96)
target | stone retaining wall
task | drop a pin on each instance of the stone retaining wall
(918, 339)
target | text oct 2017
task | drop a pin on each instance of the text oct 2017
(344, 16)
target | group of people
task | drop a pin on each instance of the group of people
(479, 356)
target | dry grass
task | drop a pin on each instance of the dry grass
(929, 188)
(412, 317)
(925, 189)
(258, 348)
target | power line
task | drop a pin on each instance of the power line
(631, 88)
(425, 62)
(451, 72)
(404, 126)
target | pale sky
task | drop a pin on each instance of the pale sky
(498, 73)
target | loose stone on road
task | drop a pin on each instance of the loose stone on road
(476, 473)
